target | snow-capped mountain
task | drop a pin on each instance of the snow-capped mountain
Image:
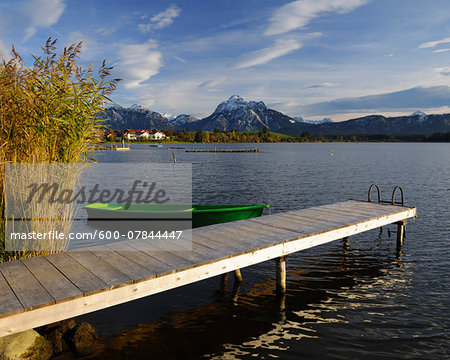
(421, 116)
(241, 115)
(185, 121)
(314, 122)
(134, 117)
(138, 107)
(380, 125)
(169, 116)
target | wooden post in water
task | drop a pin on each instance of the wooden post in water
(174, 158)
(400, 233)
(281, 275)
(224, 282)
(237, 276)
(346, 242)
(235, 293)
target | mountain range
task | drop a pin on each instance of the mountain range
(134, 117)
(241, 115)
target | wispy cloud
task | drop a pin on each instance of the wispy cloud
(106, 30)
(414, 98)
(443, 70)
(138, 63)
(41, 14)
(211, 85)
(431, 44)
(262, 56)
(441, 50)
(180, 59)
(298, 14)
(321, 85)
(210, 43)
(161, 20)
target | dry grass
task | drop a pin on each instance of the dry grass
(48, 113)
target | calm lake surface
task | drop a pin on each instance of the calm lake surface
(362, 303)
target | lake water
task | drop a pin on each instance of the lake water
(361, 302)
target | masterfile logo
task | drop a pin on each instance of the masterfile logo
(55, 207)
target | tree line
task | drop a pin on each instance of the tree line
(264, 135)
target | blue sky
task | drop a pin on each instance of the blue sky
(310, 58)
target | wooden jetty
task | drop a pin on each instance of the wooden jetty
(46, 289)
(255, 150)
(108, 147)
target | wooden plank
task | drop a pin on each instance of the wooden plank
(358, 206)
(126, 266)
(352, 209)
(265, 235)
(339, 214)
(329, 218)
(367, 213)
(296, 226)
(82, 278)
(163, 256)
(311, 220)
(10, 304)
(240, 242)
(203, 249)
(318, 218)
(190, 256)
(213, 244)
(344, 231)
(387, 208)
(246, 236)
(28, 290)
(56, 284)
(205, 254)
(268, 231)
(366, 205)
(104, 271)
(146, 261)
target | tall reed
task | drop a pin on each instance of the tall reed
(48, 113)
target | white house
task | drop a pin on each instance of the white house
(129, 134)
(158, 135)
(143, 134)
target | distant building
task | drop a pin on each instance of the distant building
(143, 134)
(129, 134)
(157, 135)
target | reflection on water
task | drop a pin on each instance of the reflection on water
(343, 302)
(334, 292)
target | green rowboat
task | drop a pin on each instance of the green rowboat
(202, 215)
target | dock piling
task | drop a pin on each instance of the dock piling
(174, 157)
(224, 282)
(346, 242)
(401, 225)
(237, 276)
(281, 275)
